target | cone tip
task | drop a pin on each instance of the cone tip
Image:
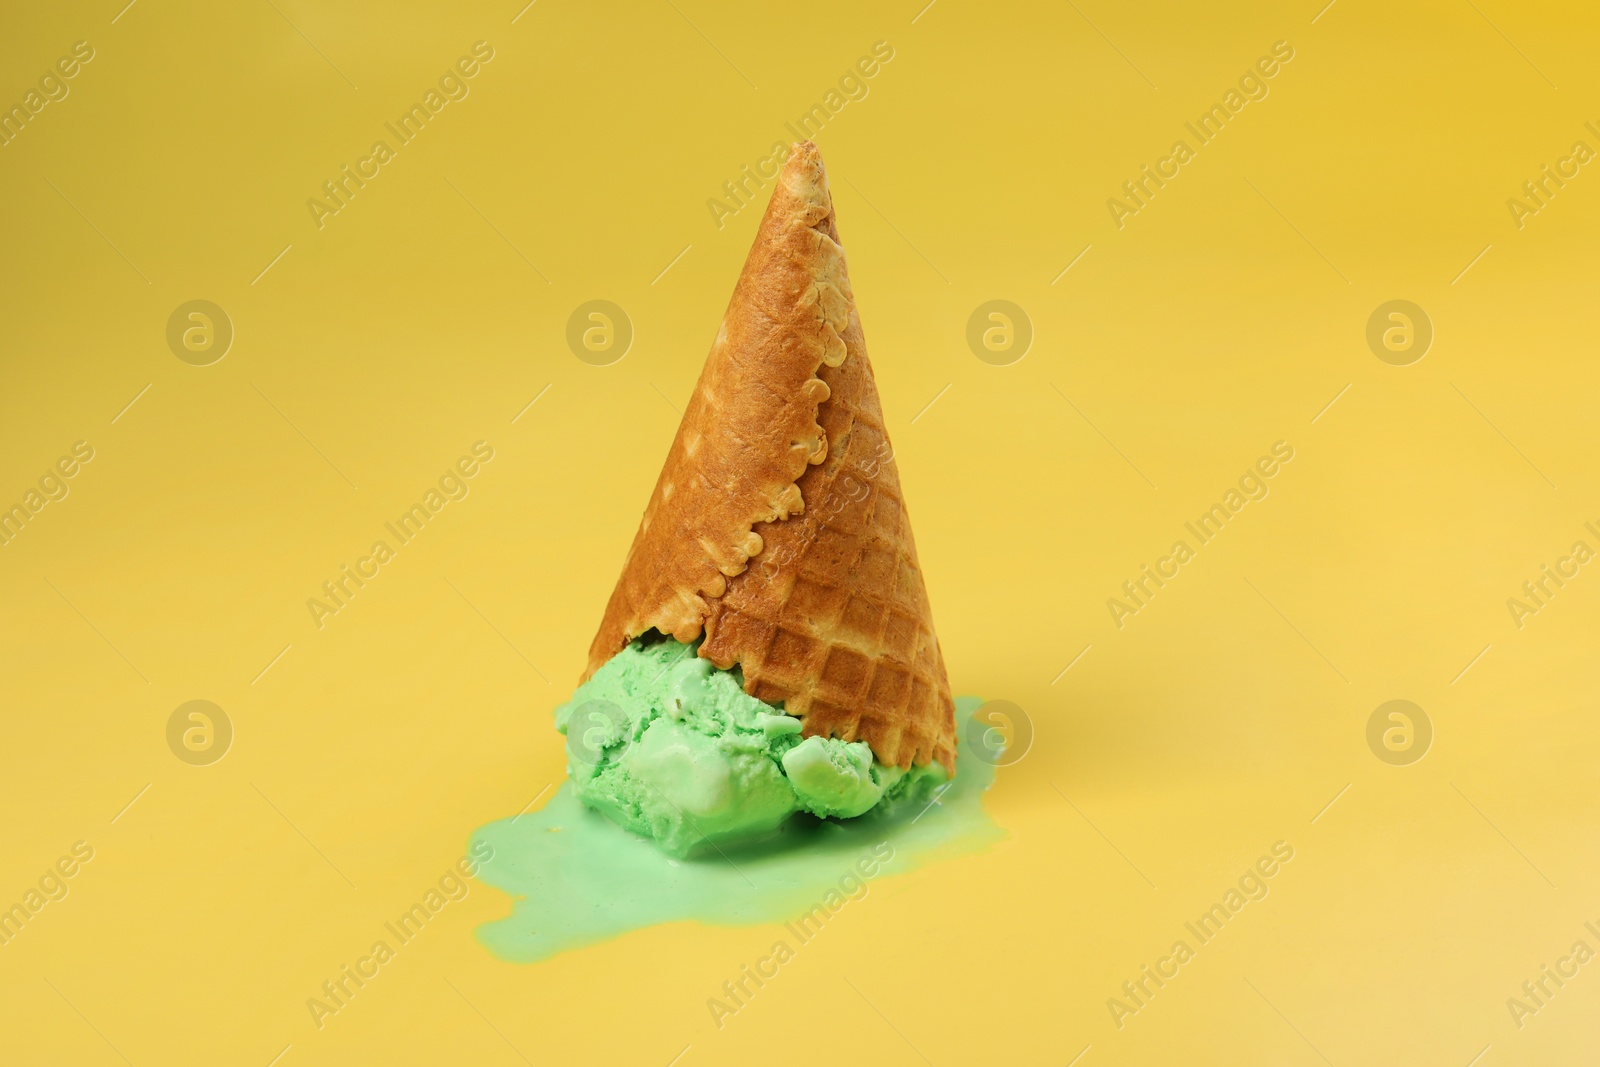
(806, 178)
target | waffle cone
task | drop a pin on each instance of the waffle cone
(777, 528)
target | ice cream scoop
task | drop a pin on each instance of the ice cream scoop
(665, 744)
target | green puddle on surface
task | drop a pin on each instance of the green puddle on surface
(576, 878)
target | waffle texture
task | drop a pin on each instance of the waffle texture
(777, 529)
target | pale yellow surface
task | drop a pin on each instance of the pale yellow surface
(1223, 317)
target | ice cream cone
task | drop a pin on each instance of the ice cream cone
(777, 529)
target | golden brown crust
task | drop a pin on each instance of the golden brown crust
(777, 527)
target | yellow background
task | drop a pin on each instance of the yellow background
(1224, 317)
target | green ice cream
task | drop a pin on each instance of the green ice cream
(663, 743)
